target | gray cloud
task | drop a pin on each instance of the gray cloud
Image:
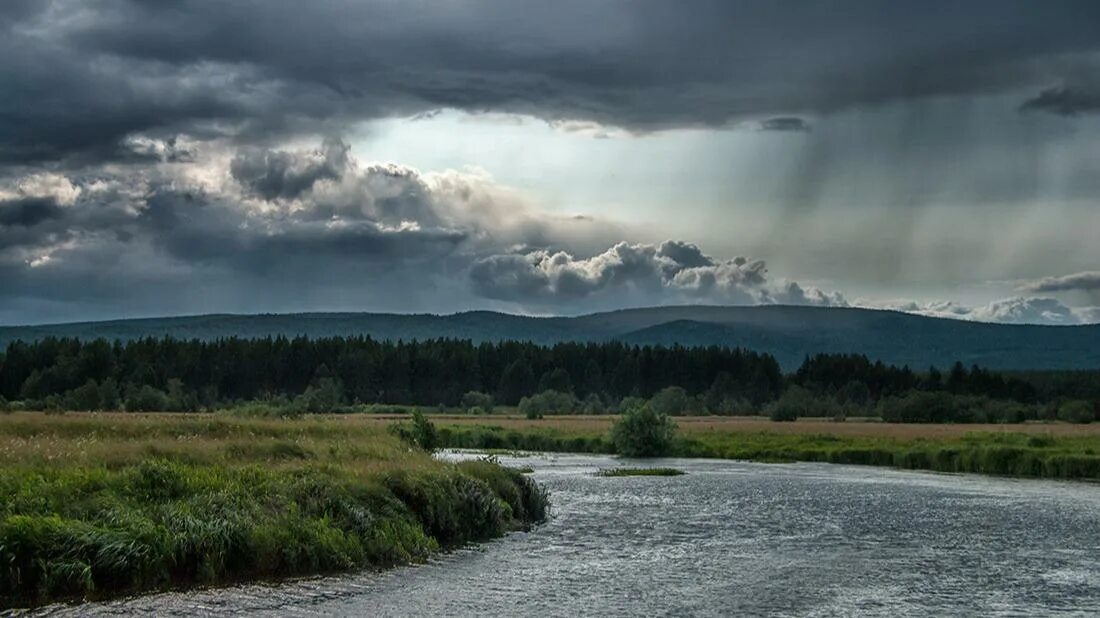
(295, 229)
(1088, 315)
(278, 173)
(141, 148)
(1088, 281)
(672, 271)
(114, 68)
(786, 123)
(1063, 102)
(28, 211)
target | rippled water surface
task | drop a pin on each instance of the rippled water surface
(733, 539)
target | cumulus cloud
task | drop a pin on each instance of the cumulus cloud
(174, 149)
(142, 148)
(288, 225)
(1017, 310)
(672, 271)
(1088, 315)
(281, 174)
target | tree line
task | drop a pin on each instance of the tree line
(321, 374)
(195, 373)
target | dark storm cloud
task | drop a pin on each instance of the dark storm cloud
(294, 229)
(1064, 102)
(28, 211)
(785, 123)
(79, 77)
(277, 173)
(204, 230)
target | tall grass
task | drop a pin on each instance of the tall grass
(999, 453)
(93, 506)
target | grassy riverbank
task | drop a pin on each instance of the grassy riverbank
(1037, 450)
(95, 505)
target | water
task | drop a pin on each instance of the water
(732, 538)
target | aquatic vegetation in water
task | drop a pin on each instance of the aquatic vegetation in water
(639, 472)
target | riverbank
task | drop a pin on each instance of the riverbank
(1059, 451)
(99, 505)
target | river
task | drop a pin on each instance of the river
(730, 538)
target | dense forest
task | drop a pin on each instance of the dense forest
(333, 373)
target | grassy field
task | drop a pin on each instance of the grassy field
(702, 425)
(100, 504)
(1049, 450)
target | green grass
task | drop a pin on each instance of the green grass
(640, 472)
(997, 453)
(98, 505)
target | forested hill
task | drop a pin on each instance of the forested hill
(788, 333)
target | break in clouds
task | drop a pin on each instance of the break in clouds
(304, 228)
(163, 157)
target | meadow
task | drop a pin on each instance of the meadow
(1046, 450)
(93, 505)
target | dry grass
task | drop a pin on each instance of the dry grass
(693, 425)
(118, 439)
(197, 432)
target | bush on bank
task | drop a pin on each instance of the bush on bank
(643, 431)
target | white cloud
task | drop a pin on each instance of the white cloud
(1018, 310)
(670, 272)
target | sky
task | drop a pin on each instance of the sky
(549, 158)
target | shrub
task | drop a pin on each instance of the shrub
(1076, 412)
(593, 405)
(324, 395)
(855, 392)
(942, 407)
(921, 407)
(547, 402)
(796, 402)
(145, 399)
(180, 398)
(643, 432)
(420, 432)
(628, 403)
(84, 398)
(266, 406)
(109, 398)
(481, 402)
(670, 401)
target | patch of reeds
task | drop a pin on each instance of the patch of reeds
(98, 506)
(639, 472)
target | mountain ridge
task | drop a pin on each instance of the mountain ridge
(789, 332)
